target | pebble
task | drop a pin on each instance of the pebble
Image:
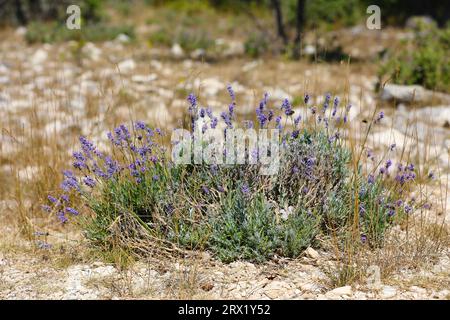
(346, 290)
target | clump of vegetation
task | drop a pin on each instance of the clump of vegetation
(256, 45)
(137, 194)
(39, 32)
(191, 41)
(424, 60)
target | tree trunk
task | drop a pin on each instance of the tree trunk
(35, 9)
(300, 22)
(279, 21)
(20, 14)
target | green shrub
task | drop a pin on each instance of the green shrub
(38, 32)
(192, 40)
(138, 197)
(426, 60)
(256, 45)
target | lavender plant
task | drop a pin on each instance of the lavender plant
(233, 210)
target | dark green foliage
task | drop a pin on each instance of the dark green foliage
(424, 61)
(195, 208)
(244, 229)
(53, 32)
(256, 45)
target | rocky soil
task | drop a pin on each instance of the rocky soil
(37, 276)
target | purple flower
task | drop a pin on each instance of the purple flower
(70, 182)
(72, 211)
(43, 245)
(231, 109)
(263, 103)
(52, 199)
(297, 120)
(226, 118)
(295, 134)
(155, 177)
(382, 170)
(202, 113)
(408, 209)
(214, 123)
(209, 112)
(431, 175)
(62, 217)
(286, 105)
(363, 238)
(87, 147)
(112, 167)
(125, 133)
(89, 182)
(388, 163)
(192, 101)
(380, 116)
(231, 93)
(326, 103)
(245, 189)
(140, 125)
(46, 208)
(392, 147)
(362, 209)
(310, 162)
(306, 99)
(336, 102)
(205, 189)
(278, 123)
(262, 118)
(371, 179)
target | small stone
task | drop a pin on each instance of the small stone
(346, 290)
(144, 78)
(388, 292)
(276, 289)
(310, 252)
(127, 66)
(177, 51)
(308, 287)
(309, 50)
(123, 38)
(39, 57)
(91, 51)
(198, 54)
(21, 31)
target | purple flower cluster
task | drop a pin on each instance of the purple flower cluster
(405, 174)
(287, 107)
(93, 166)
